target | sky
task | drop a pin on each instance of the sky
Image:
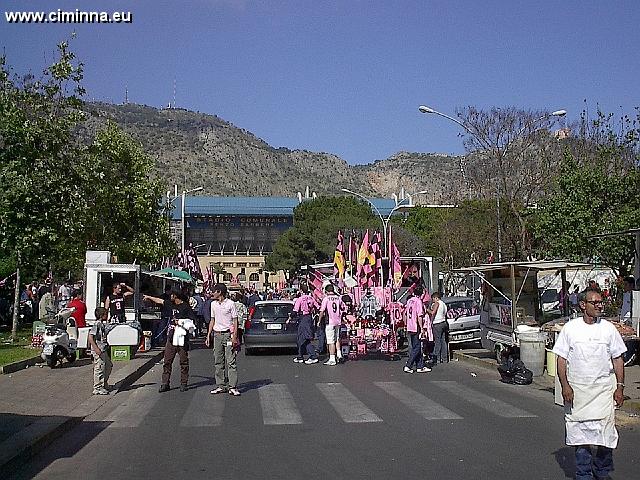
(347, 77)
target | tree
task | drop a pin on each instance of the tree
(312, 239)
(512, 154)
(466, 234)
(58, 196)
(596, 192)
(122, 211)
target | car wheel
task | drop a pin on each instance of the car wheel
(630, 357)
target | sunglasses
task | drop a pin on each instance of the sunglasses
(595, 302)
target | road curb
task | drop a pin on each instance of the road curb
(21, 365)
(19, 448)
(629, 406)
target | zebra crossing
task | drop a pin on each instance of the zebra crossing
(278, 405)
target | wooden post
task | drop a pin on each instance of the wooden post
(16, 302)
(513, 296)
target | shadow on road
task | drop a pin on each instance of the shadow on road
(566, 458)
(48, 448)
(254, 384)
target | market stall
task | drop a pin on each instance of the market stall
(510, 306)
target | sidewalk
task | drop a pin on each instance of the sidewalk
(484, 358)
(38, 404)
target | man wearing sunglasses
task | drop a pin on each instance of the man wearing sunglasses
(591, 372)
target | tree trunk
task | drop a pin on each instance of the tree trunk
(16, 303)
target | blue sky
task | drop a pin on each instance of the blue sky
(346, 77)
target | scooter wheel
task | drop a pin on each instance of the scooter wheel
(52, 360)
(71, 358)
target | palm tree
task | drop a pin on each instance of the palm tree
(218, 270)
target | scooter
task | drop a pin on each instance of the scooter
(57, 342)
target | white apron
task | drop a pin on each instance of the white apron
(590, 420)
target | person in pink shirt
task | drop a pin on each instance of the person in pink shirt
(303, 308)
(332, 307)
(224, 327)
(414, 312)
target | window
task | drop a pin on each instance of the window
(227, 277)
(254, 277)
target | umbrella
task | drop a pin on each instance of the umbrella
(173, 274)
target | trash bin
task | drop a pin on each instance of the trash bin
(532, 351)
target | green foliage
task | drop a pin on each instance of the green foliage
(467, 234)
(589, 199)
(58, 196)
(312, 239)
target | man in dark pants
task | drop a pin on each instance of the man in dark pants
(180, 310)
(159, 327)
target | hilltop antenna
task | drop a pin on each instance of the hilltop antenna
(174, 93)
(126, 94)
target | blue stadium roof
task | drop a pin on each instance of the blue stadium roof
(267, 206)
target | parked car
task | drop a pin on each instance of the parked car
(270, 325)
(464, 319)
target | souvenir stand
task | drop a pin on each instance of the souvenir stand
(379, 334)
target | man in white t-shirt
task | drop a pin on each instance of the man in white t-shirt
(224, 327)
(591, 373)
(627, 286)
(438, 313)
(332, 307)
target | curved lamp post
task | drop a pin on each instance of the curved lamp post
(184, 194)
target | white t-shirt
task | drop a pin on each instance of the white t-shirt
(625, 309)
(441, 313)
(588, 349)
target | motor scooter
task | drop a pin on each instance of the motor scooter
(57, 342)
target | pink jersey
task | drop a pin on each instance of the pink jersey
(414, 310)
(304, 305)
(332, 304)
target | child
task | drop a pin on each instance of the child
(101, 362)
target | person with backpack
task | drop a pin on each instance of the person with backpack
(102, 364)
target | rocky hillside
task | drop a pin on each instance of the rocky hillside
(194, 149)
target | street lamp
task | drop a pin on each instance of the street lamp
(502, 150)
(184, 193)
(385, 221)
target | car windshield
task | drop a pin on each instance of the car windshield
(461, 308)
(549, 296)
(273, 310)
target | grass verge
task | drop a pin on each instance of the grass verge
(20, 350)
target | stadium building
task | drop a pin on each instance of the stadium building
(237, 233)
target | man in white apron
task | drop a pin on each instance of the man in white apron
(591, 372)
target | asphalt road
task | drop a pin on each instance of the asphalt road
(364, 419)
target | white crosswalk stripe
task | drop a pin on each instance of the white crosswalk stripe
(350, 409)
(417, 402)
(205, 410)
(132, 412)
(278, 406)
(493, 405)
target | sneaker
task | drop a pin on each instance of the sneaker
(407, 370)
(218, 390)
(234, 391)
(163, 388)
(423, 370)
(298, 360)
(101, 391)
(183, 387)
(311, 361)
(331, 363)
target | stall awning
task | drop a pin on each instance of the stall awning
(533, 265)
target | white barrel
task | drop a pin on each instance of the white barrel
(532, 351)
